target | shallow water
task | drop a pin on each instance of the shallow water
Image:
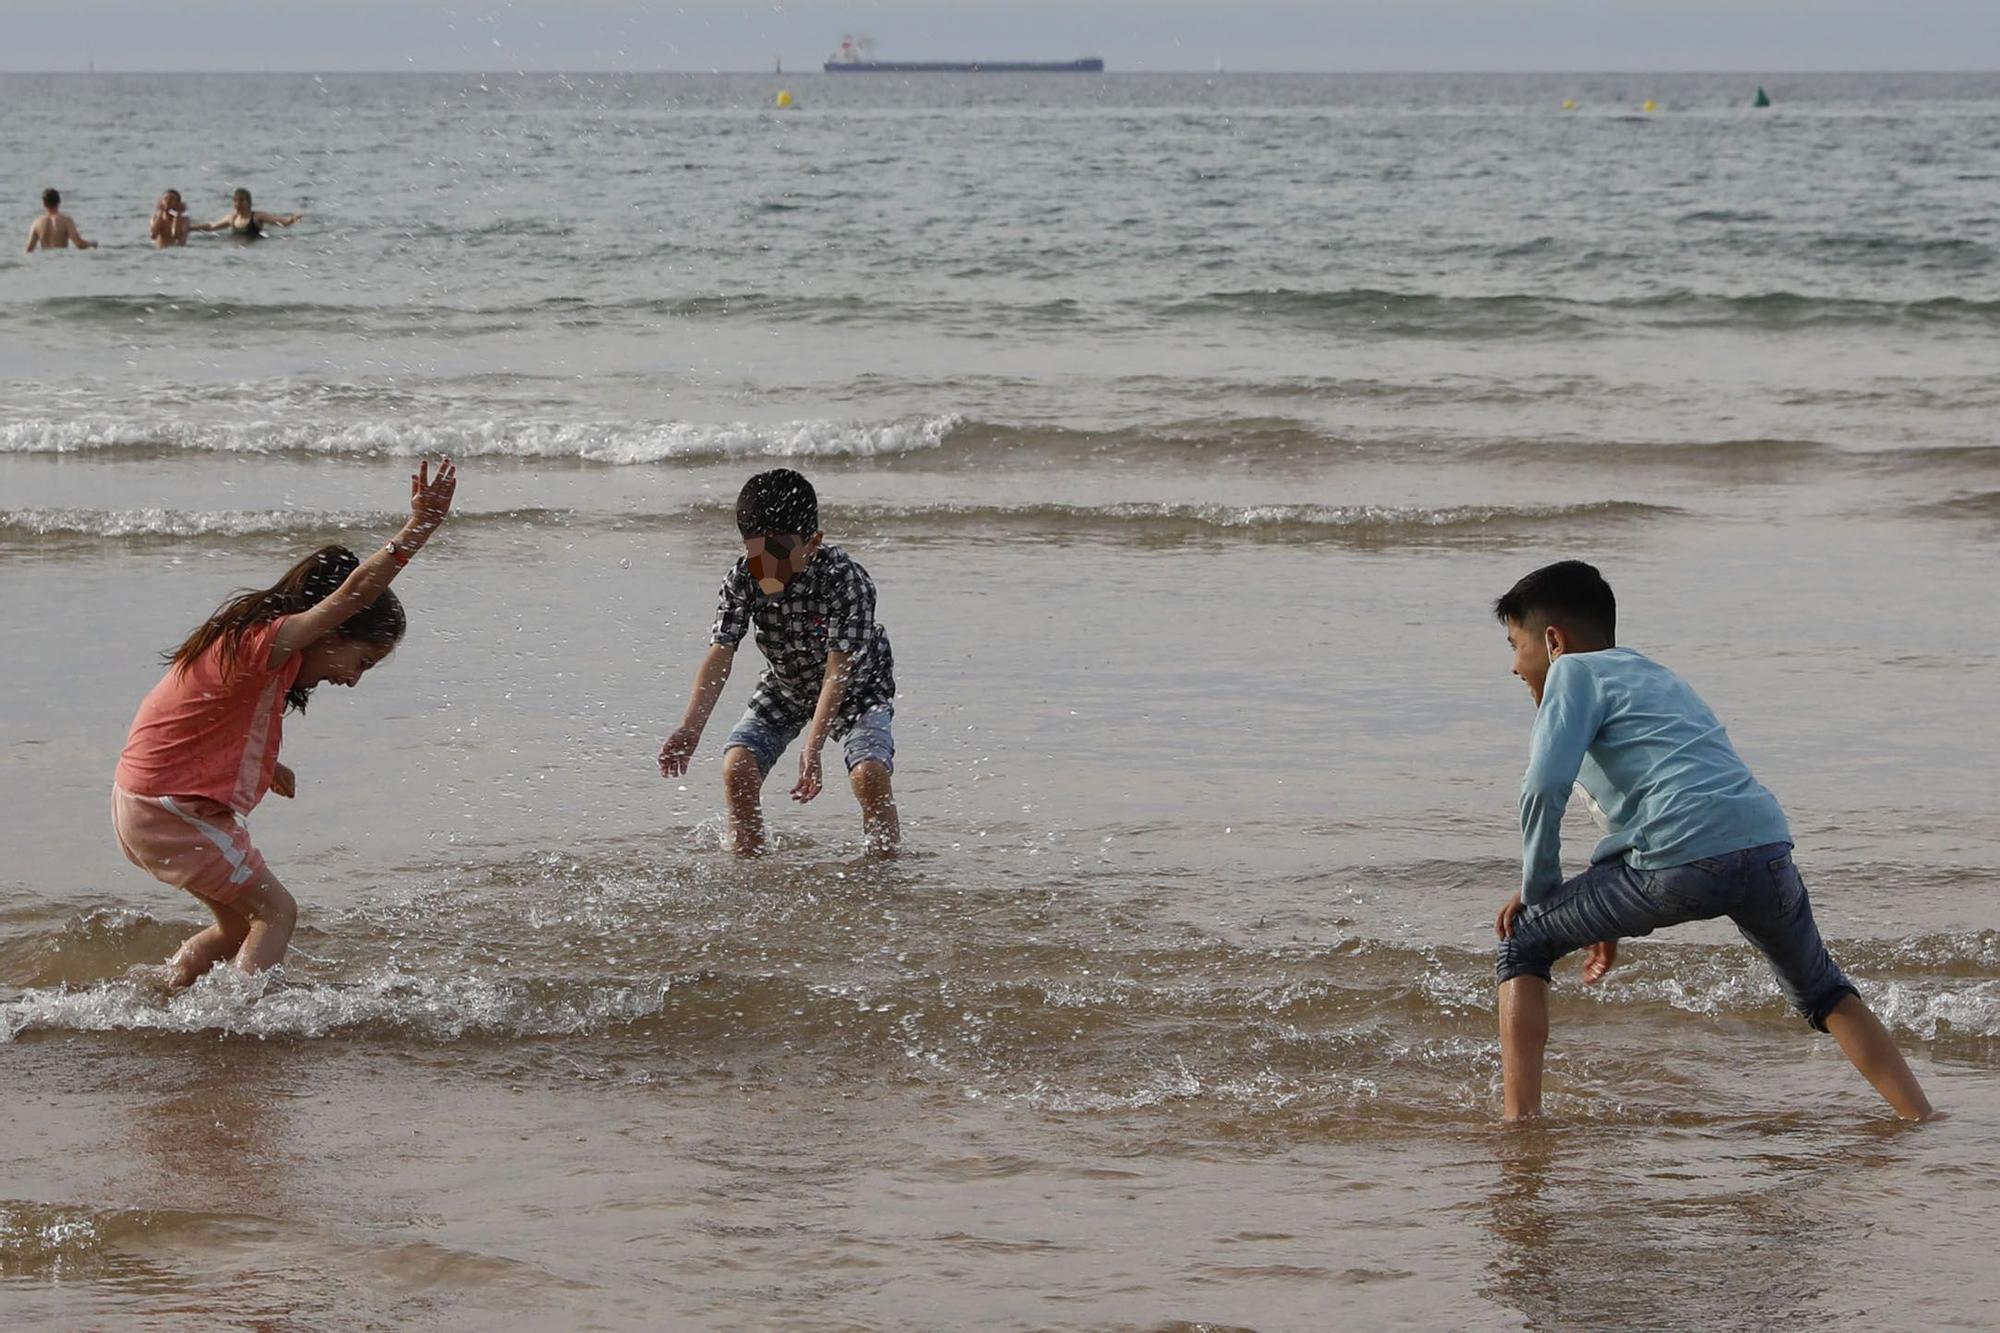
(1189, 427)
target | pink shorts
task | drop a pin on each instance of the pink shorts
(190, 842)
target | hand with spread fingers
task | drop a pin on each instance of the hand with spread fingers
(430, 498)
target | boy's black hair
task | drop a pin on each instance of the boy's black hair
(52, 198)
(777, 501)
(1568, 593)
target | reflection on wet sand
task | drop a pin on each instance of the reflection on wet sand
(1736, 1226)
(191, 1171)
(216, 1129)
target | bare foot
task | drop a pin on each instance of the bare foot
(159, 982)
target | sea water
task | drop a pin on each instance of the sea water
(1189, 427)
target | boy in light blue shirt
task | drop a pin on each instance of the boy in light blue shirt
(1691, 835)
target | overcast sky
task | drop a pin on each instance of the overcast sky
(1740, 35)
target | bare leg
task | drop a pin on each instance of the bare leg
(272, 914)
(1868, 1045)
(879, 824)
(743, 785)
(1524, 1036)
(206, 948)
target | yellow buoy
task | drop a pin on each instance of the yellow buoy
(1650, 106)
(784, 98)
(1569, 104)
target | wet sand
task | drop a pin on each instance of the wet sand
(1179, 1010)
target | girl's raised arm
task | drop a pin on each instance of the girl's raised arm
(430, 503)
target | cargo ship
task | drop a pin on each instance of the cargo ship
(854, 58)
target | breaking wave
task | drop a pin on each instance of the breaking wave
(1150, 523)
(290, 420)
(615, 443)
(1028, 1004)
(28, 525)
(1517, 315)
(1165, 523)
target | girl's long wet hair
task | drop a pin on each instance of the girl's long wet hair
(305, 585)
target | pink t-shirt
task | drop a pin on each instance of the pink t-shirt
(200, 735)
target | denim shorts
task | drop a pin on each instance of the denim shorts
(869, 740)
(1758, 888)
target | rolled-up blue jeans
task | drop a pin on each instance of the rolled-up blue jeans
(870, 740)
(1758, 888)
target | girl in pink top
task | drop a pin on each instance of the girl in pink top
(204, 748)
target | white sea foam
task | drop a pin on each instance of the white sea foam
(154, 522)
(1356, 523)
(34, 1234)
(1360, 523)
(1743, 983)
(596, 442)
(129, 524)
(1265, 1089)
(1934, 1011)
(440, 1008)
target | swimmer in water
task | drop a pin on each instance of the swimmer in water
(245, 222)
(55, 229)
(170, 221)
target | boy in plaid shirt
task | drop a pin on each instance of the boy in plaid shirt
(830, 670)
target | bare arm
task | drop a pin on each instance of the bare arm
(276, 220)
(430, 502)
(709, 679)
(75, 236)
(708, 683)
(34, 238)
(839, 671)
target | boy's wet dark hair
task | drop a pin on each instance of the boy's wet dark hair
(777, 501)
(1569, 594)
(51, 198)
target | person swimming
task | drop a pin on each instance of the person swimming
(55, 229)
(170, 221)
(247, 223)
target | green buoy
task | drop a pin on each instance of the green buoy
(1763, 98)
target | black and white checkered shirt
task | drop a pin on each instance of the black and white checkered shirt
(828, 608)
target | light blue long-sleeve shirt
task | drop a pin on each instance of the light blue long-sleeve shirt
(1654, 759)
